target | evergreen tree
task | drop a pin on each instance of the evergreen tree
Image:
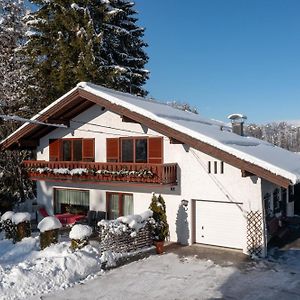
(13, 75)
(160, 227)
(85, 40)
(123, 48)
(14, 184)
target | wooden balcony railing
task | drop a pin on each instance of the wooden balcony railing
(102, 172)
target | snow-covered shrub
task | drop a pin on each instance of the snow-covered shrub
(49, 229)
(127, 233)
(79, 236)
(7, 224)
(21, 222)
(159, 224)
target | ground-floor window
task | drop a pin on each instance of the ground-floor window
(72, 201)
(118, 204)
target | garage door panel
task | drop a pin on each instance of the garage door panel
(220, 224)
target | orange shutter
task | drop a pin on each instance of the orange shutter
(112, 149)
(155, 150)
(54, 150)
(88, 149)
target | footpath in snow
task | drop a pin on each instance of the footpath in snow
(58, 273)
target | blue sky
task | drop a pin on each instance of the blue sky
(225, 56)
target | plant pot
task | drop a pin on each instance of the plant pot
(159, 245)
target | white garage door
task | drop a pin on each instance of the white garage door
(220, 224)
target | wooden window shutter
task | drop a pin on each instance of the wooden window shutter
(88, 149)
(112, 149)
(155, 155)
(54, 149)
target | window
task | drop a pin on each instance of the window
(215, 167)
(135, 150)
(118, 204)
(127, 150)
(222, 167)
(72, 150)
(72, 201)
(141, 150)
(209, 167)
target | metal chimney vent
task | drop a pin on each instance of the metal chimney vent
(237, 122)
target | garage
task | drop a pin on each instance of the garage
(219, 223)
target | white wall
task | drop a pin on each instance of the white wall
(194, 180)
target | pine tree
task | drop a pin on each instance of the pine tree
(123, 48)
(13, 75)
(14, 184)
(85, 40)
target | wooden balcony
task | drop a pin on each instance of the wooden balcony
(94, 172)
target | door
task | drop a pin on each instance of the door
(220, 224)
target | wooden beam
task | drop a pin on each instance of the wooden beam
(174, 141)
(246, 173)
(128, 120)
(28, 143)
(191, 141)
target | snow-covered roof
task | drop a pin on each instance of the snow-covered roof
(248, 150)
(275, 159)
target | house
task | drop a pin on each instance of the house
(116, 149)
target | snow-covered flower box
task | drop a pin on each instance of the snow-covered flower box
(79, 236)
(21, 221)
(126, 234)
(106, 171)
(49, 229)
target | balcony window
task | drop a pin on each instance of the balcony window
(141, 150)
(127, 150)
(72, 150)
(135, 150)
(119, 204)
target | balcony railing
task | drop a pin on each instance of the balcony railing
(102, 172)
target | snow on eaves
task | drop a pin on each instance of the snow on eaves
(272, 158)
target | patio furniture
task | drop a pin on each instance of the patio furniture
(67, 219)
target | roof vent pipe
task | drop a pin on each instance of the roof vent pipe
(237, 123)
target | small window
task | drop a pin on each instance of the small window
(127, 150)
(222, 167)
(141, 150)
(67, 150)
(119, 204)
(209, 167)
(215, 167)
(77, 150)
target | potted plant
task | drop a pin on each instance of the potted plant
(159, 224)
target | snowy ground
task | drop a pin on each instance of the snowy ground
(57, 273)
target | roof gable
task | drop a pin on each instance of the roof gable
(248, 154)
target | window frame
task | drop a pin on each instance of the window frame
(134, 139)
(72, 140)
(68, 189)
(120, 203)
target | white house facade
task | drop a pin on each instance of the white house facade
(116, 150)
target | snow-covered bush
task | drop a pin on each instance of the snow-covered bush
(159, 224)
(49, 228)
(21, 222)
(7, 224)
(79, 236)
